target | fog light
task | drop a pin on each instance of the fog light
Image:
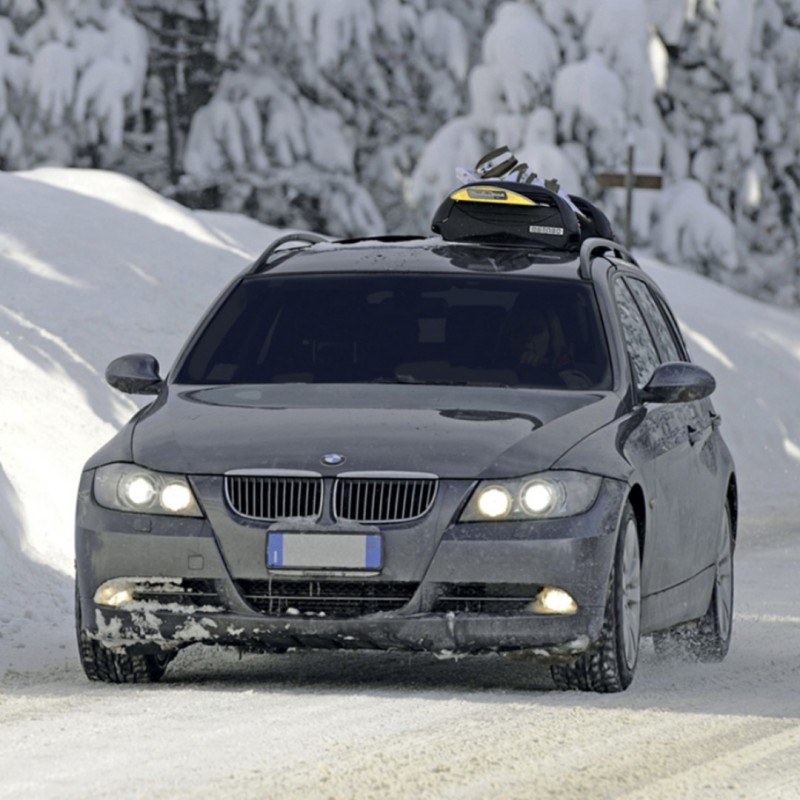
(114, 593)
(552, 600)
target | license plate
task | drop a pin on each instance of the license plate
(324, 551)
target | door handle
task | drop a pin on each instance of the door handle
(695, 434)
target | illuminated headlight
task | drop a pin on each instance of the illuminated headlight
(127, 487)
(546, 495)
(540, 496)
(494, 502)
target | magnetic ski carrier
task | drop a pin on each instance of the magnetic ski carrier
(500, 212)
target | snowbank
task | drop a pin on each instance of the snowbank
(93, 265)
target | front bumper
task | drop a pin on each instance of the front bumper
(574, 554)
(146, 630)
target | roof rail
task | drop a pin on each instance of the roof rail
(592, 246)
(301, 236)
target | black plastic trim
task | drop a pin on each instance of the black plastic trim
(597, 246)
(303, 237)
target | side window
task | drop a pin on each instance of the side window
(640, 346)
(674, 328)
(655, 320)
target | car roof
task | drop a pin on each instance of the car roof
(431, 255)
(297, 254)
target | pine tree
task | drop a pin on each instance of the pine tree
(350, 116)
(732, 113)
(72, 73)
(709, 100)
(554, 86)
(323, 107)
(183, 71)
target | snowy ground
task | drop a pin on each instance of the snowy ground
(94, 265)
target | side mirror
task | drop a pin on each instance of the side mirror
(678, 382)
(134, 374)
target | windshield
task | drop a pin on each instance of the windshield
(404, 328)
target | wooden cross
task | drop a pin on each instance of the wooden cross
(629, 181)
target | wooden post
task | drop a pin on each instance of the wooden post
(629, 199)
(629, 181)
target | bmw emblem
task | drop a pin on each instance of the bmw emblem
(332, 459)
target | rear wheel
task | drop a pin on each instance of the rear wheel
(100, 663)
(710, 638)
(611, 667)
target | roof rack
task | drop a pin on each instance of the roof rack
(597, 246)
(519, 214)
(307, 238)
(596, 223)
(506, 212)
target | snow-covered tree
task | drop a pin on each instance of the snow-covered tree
(324, 106)
(705, 90)
(183, 71)
(350, 116)
(565, 86)
(71, 72)
(12, 91)
(731, 108)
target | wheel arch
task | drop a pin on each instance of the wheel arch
(637, 501)
(732, 498)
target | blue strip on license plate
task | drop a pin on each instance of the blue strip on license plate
(324, 551)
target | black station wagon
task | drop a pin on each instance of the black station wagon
(490, 439)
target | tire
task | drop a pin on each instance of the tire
(611, 667)
(709, 638)
(100, 663)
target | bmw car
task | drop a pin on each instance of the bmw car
(489, 439)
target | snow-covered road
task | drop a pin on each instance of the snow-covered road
(318, 725)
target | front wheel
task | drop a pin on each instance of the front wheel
(100, 663)
(611, 667)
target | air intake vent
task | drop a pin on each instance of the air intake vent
(497, 599)
(383, 499)
(272, 497)
(326, 598)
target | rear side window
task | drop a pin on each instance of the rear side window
(667, 346)
(404, 328)
(639, 344)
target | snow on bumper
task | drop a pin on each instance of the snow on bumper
(143, 629)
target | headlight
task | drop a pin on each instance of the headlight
(127, 487)
(546, 495)
(494, 502)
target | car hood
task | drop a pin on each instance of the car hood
(451, 431)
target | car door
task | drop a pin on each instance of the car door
(660, 449)
(702, 494)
